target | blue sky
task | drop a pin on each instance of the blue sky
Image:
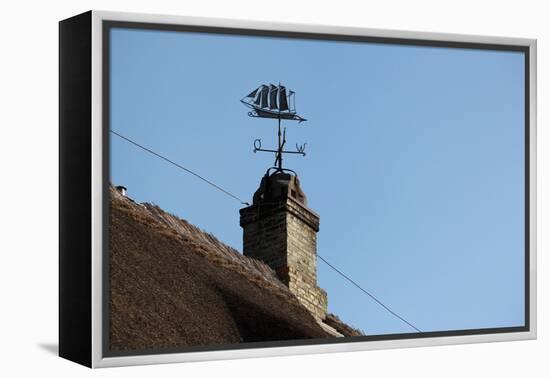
(415, 161)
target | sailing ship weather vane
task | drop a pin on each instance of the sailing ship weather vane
(273, 101)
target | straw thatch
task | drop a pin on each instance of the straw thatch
(173, 285)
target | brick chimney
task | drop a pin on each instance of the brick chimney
(280, 230)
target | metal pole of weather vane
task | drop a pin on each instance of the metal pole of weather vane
(272, 101)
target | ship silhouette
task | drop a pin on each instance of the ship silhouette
(272, 101)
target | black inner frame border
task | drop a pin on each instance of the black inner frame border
(108, 25)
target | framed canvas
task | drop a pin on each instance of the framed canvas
(236, 189)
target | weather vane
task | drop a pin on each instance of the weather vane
(272, 101)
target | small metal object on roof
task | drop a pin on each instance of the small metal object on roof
(122, 190)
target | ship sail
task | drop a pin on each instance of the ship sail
(265, 90)
(283, 103)
(253, 93)
(272, 97)
(291, 96)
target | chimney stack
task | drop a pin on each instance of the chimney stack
(280, 230)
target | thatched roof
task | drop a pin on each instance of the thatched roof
(173, 285)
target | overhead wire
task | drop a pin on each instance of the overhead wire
(369, 294)
(181, 167)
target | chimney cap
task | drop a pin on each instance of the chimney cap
(279, 186)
